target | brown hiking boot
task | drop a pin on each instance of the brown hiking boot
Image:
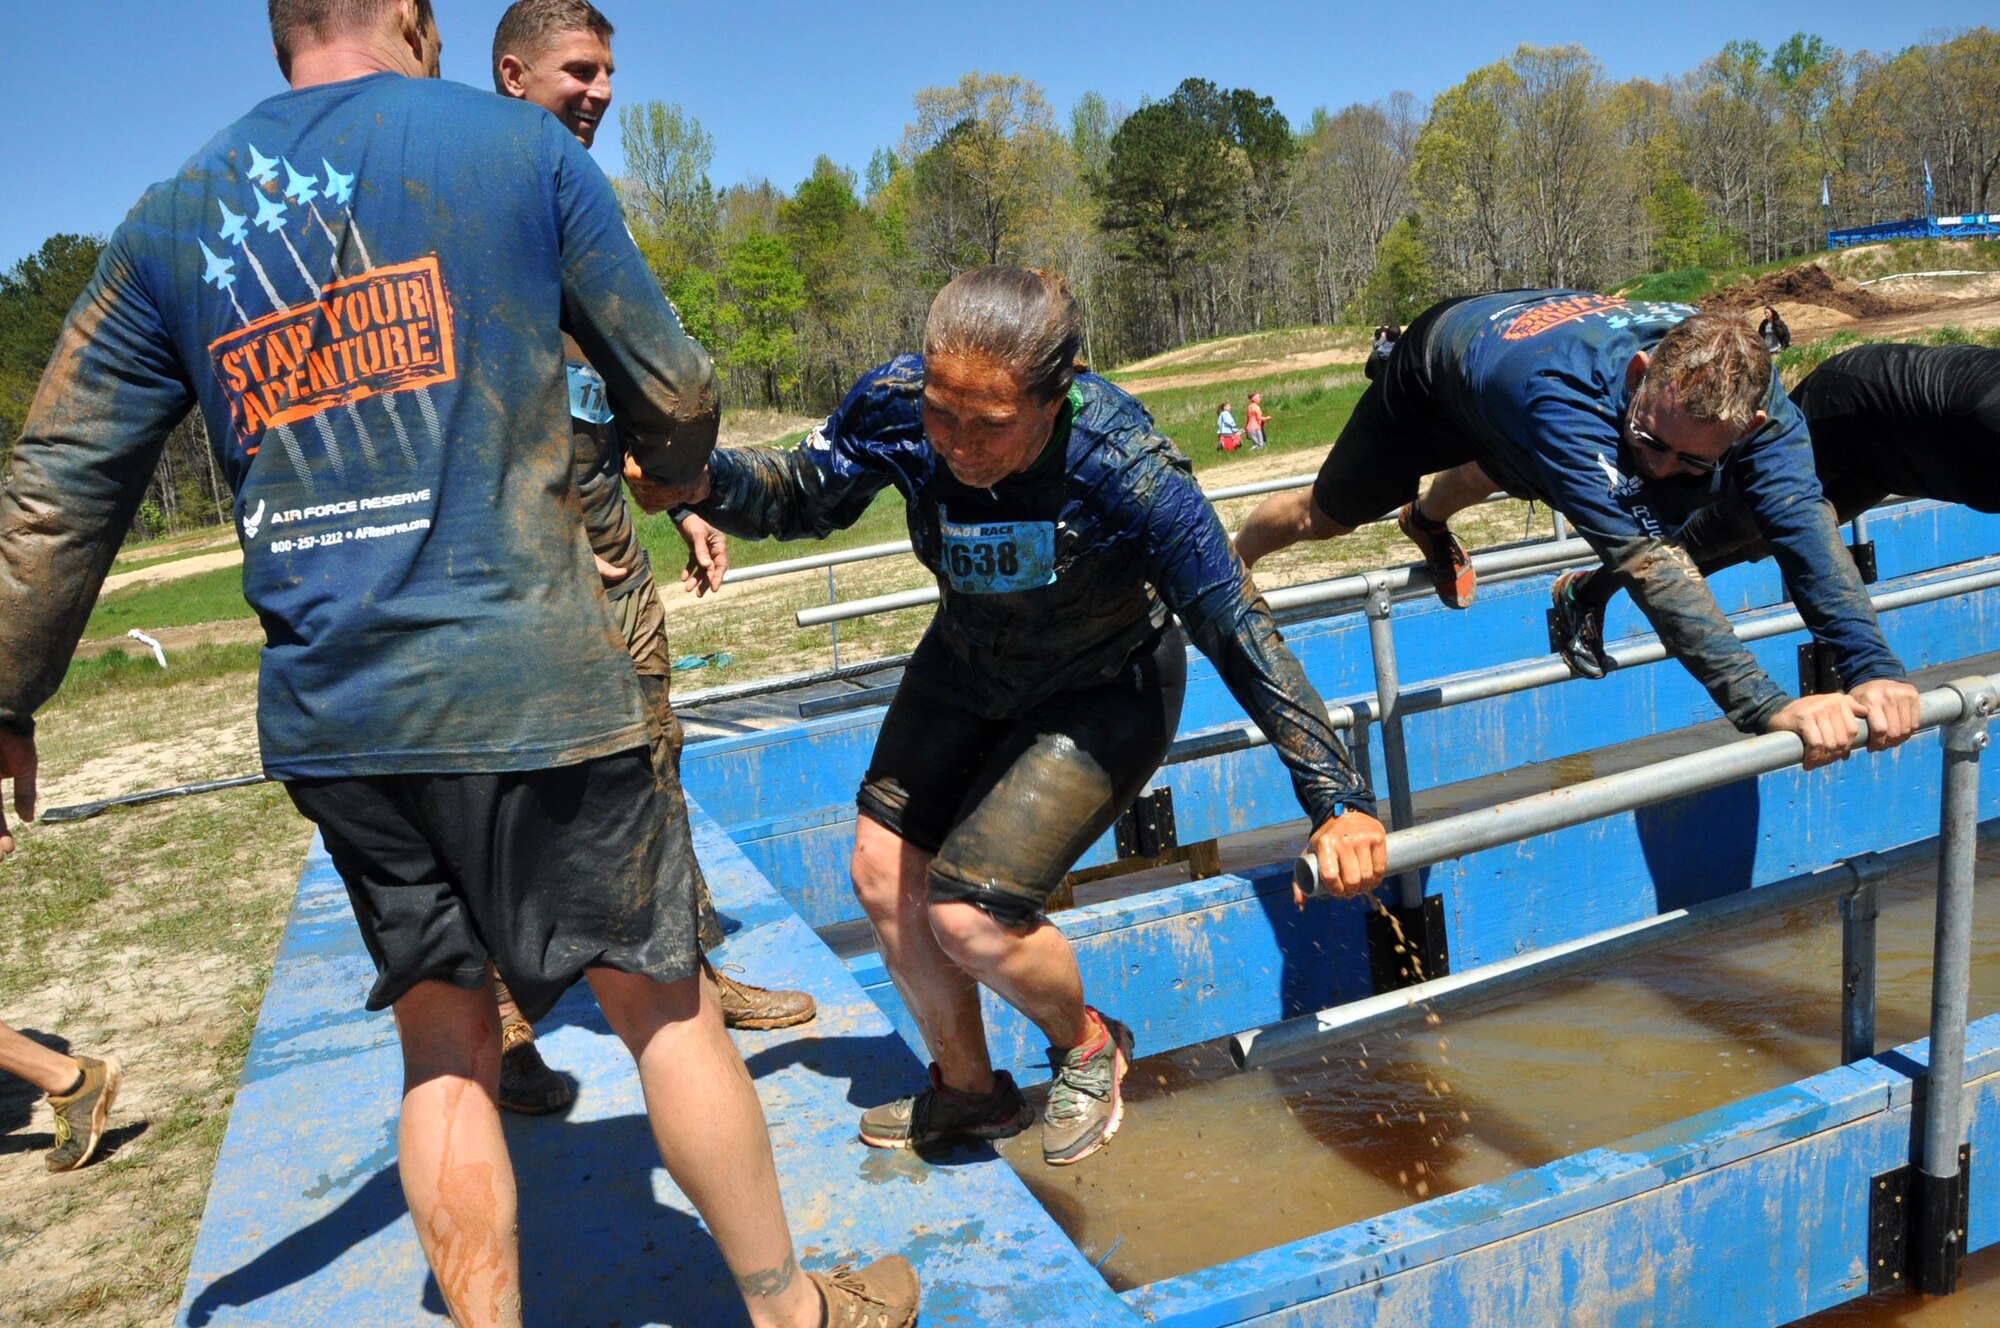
(745, 1006)
(527, 1085)
(1452, 574)
(882, 1295)
(80, 1116)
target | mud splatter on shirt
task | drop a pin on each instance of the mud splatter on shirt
(361, 286)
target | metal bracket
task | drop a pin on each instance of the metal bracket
(1406, 945)
(1147, 829)
(1896, 1243)
(1967, 734)
(1819, 670)
(1864, 561)
(1556, 639)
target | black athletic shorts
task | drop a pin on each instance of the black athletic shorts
(1395, 437)
(544, 873)
(1008, 805)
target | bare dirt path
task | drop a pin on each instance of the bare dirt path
(1236, 373)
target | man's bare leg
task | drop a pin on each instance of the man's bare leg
(453, 1159)
(892, 881)
(711, 1133)
(1032, 968)
(1452, 491)
(50, 1071)
(1282, 520)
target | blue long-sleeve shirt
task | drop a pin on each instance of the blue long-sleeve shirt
(1538, 379)
(1052, 578)
(361, 284)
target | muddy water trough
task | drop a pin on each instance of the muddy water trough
(1732, 1198)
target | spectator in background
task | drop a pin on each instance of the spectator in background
(1386, 336)
(1225, 429)
(1254, 421)
(1773, 330)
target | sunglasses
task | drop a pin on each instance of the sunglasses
(1696, 465)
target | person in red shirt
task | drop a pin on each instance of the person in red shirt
(1254, 422)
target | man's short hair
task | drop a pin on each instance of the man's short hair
(310, 22)
(1717, 366)
(530, 27)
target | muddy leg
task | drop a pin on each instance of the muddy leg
(891, 879)
(711, 1133)
(1031, 967)
(456, 1175)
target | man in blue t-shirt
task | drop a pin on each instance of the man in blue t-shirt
(1622, 415)
(363, 284)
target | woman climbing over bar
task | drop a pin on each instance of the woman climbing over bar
(1062, 531)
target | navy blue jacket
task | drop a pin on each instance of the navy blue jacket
(1538, 379)
(1129, 533)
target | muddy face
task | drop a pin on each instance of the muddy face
(981, 421)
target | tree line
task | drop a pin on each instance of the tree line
(1207, 212)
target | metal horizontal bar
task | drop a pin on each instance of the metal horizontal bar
(765, 686)
(812, 562)
(1543, 813)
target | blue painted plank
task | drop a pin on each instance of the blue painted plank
(305, 1222)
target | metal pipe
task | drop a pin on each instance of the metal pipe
(1560, 524)
(1858, 912)
(1395, 757)
(1527, 676)
(814, 561)
(1542, 813)
(831, 599)
(1939, 1241)
(1474, 988)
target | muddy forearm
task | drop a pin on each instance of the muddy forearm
(755, 493)
(1692, 627)
(1235, 631)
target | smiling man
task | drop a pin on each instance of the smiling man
(557, 55)
(1622, 415)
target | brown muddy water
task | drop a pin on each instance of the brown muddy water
(1212, 1163)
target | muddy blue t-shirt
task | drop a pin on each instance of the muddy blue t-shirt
(363, 286)
(1538, 378)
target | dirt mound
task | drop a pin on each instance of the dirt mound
(1809, 283)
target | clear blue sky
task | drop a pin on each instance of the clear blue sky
(111, 95)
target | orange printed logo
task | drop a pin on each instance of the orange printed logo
(1555, 313)
(387, 330)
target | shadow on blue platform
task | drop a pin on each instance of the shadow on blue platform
(596, 1245)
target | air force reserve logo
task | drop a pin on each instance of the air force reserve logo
(1616, 483)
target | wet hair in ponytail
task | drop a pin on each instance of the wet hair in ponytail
(1024, 318)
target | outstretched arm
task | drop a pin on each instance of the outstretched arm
(1190, 563)
(112, 391)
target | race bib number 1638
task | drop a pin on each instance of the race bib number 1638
(998, 557)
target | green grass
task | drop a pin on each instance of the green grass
(1916, 256)
(117, 672)
(1798, 361)
(214, 596)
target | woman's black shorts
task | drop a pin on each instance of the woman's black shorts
(1008, 805)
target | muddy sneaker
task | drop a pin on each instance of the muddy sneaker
(1451, 571)
(80, 1116)
(882, 1295)
(527, 1085)
(1576, 630)
(940, 1113)
(1085, 1104)
(745, 1006)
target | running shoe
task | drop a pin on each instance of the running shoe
(80, 1116)
(882, 1295)
(1577, 630)
(527, 1085)
(1451, 571)
(745, 1006)
(939, 1114)
(1085, 1103)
